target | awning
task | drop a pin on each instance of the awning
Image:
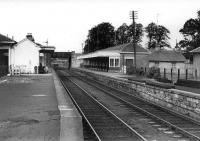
(99, 54)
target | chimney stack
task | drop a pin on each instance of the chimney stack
(30, 37)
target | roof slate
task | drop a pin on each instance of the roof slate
(6, 40)
(196, 50)
(128, 47)
(166, 56)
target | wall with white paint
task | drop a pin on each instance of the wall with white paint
(25, 56)
(196, 64)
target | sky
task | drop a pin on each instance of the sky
(65, 23)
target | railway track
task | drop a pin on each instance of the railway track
(164, 120)
(106, 126)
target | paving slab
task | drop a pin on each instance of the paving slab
(29, 109)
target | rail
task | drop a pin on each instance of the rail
(135, 134)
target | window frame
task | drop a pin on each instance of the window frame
(114, 62)
(117, 63)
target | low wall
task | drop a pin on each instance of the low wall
(177, 101)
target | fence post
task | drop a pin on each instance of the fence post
(171, 74)
(186, 74)
(178, 74)
(196, 73)
(164, 73)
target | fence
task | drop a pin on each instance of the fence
(173, 74)
(3, 70)
(176, 74)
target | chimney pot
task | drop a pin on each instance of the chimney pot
(30, 37)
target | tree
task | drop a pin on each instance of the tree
(151, 33)
(103, 36)
(191, 34)
(99, 37)
(138, 34)
(124, 33)
(158, 36)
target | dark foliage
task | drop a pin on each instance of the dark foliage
(158, 36)
(124, 34)
(188, 83)
(191, 34)
(164, 80)
(99, 37)
(103, 36)
(153, 72)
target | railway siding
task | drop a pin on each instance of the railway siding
(180, 102)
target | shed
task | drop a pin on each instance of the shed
(5, 44)
(168, 59)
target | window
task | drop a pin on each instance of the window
(156, 64)
(116, 62)
(173, 65)
(111, 62)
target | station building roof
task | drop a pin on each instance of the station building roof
(115, 51)
(196, 50)
(49, 49)
(166, 56)
(6, 40)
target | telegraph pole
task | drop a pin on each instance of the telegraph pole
(133, 16)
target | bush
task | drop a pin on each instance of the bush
(153, 72)
(188, 83)
(164, 80)
(131, 70)
(160, 84)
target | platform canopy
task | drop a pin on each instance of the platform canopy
(4, 41)
(99, 54)
(115, 51)
(47, 49)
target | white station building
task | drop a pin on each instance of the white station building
(24, 56)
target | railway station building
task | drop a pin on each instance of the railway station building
(23, 56)
(5, 49)
(114, 59)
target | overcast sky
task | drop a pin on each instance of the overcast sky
(65, 23)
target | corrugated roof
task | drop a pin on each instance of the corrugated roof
(196, 50)
(166, 56)
(128, 47)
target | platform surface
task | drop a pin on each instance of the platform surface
(29, 109)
